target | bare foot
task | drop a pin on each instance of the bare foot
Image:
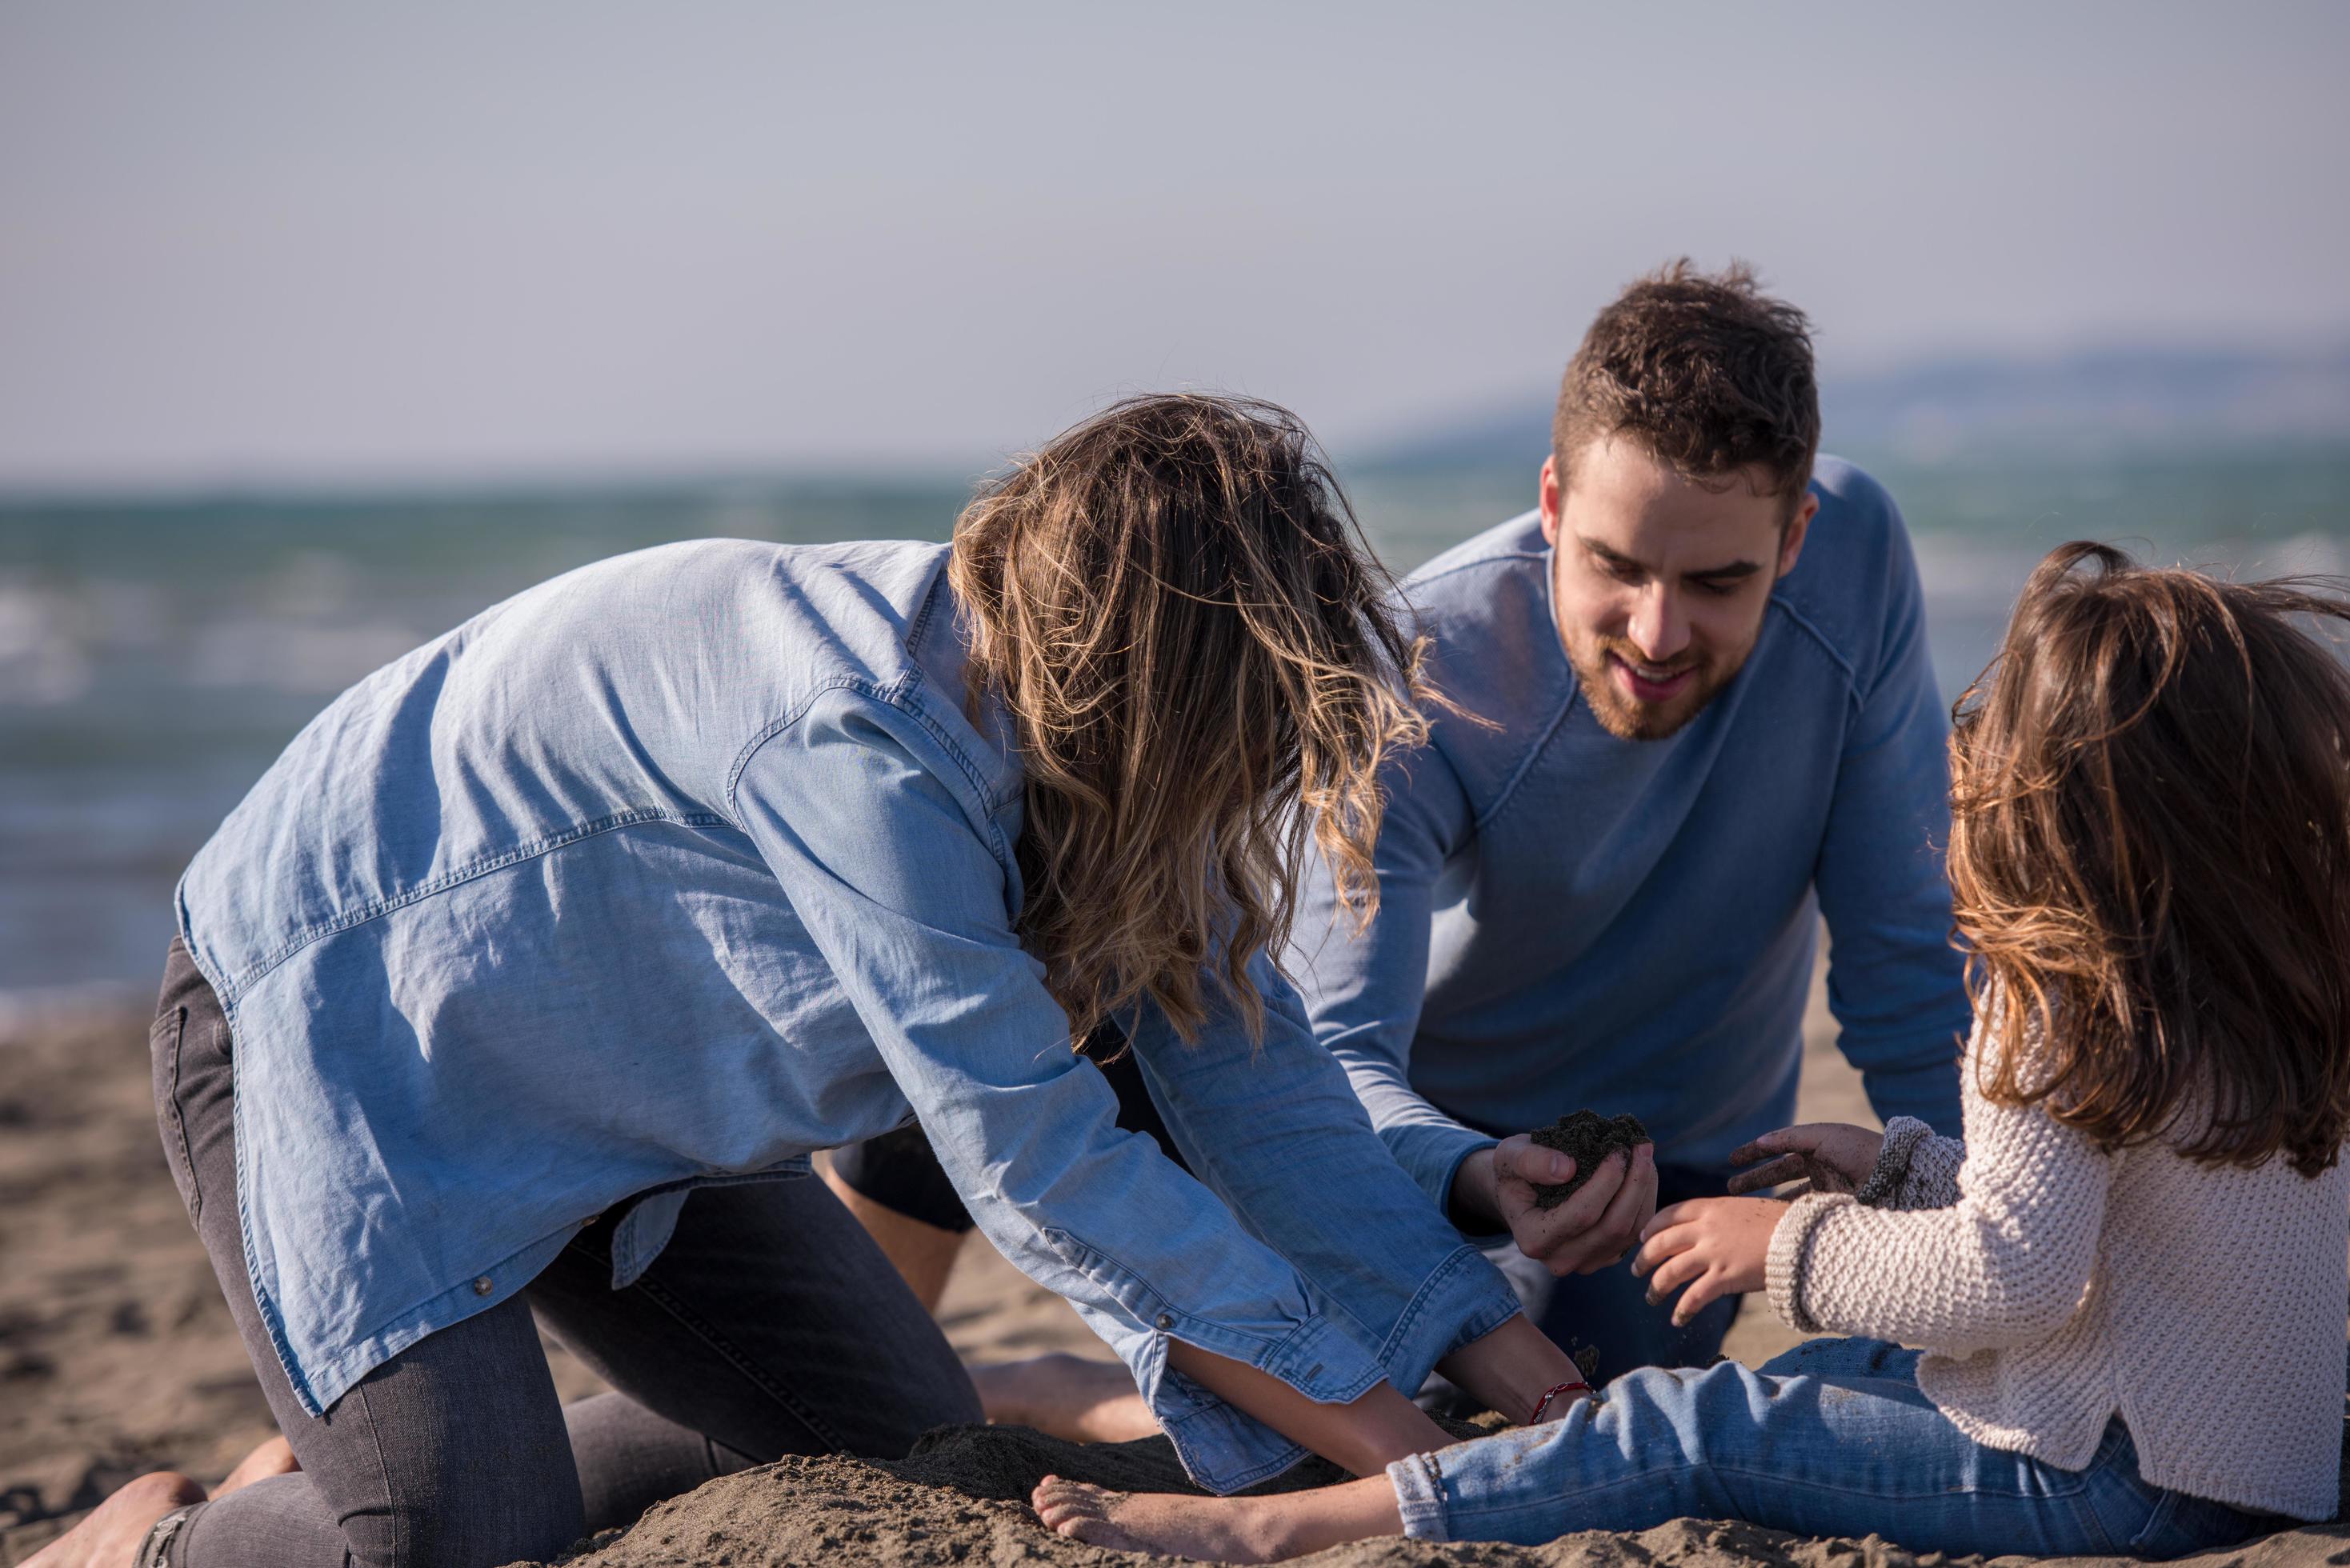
(1212, 1529)
(1065, 1396)
(274, 1458)
(110, 1537)
(1221, 1529)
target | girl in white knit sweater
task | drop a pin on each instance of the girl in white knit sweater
(2126, 1286)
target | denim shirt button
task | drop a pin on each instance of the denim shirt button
(1165, 1321)
(483, 1285)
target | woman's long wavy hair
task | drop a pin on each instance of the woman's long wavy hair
(1175, 605)
(2150, 859)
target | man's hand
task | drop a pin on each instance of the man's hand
(1495, 1187)
(1834, 1157)
(1715, 1246)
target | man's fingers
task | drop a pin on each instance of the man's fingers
(1583, 1210)
(1594, 1229)
(1763, 1148)
(1627, 1214)
(1547, 1228)
(1520, 1158)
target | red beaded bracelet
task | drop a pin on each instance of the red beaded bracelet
(1544, 1403)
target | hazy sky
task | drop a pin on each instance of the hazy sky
(256, 242)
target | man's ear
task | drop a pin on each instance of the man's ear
(1791, 542)
(1554, 502)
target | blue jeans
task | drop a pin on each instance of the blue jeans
(1831, 1438)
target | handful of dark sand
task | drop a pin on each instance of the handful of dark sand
(1587, 1138)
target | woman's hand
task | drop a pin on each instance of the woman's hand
(1834, 1157)
(1714, 1246)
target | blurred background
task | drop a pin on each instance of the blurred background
(323, 327)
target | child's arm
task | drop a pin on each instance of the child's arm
(2006, 1263)
(1903, 1167)
(1915, 1169)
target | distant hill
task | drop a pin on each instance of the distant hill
(2091, 400)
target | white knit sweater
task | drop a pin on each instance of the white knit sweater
(2054, 1287)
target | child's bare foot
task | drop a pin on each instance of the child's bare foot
(110, 1537)
(1065, 1396)
(1221, 1529)
(1213, 1529)
(274, 1458)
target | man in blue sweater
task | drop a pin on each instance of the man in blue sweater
(1696, 713)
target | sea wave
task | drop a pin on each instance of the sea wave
(27, 1012)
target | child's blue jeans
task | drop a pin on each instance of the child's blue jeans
(1831, 1438)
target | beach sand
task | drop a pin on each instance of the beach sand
(117, 1356)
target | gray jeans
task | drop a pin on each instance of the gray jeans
(770, 1325)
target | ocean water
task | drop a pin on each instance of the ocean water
(155, 657)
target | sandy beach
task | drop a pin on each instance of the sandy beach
(117, 1356)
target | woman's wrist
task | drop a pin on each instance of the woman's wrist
(1558, 1394)
(1362, 1438)
(1511, 1368)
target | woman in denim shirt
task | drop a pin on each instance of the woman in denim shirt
(534, 972)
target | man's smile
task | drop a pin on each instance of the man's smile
(1647, 683)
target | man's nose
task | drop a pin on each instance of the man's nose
(1659, 629)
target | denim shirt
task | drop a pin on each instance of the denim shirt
(1572, 920)
(688, 863)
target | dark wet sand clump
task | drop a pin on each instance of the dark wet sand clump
(1587, 1138)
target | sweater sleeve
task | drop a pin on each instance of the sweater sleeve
(1915, 1169)
(2006, 1263)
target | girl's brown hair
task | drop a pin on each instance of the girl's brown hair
(1175, 605)
(2150, 859)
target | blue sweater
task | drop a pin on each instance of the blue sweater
(1569, 919)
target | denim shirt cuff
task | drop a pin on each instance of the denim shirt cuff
(1224, 1449)
(1463, 1298)
(1463, 1301)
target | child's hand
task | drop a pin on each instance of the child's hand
(1834, 1157)
(1715, 1246)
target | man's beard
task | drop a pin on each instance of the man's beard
(1627, 718)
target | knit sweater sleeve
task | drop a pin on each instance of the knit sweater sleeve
(2005, 1265)
(1915, 1169)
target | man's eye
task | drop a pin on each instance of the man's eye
(1717, 590)
(1622, 571)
